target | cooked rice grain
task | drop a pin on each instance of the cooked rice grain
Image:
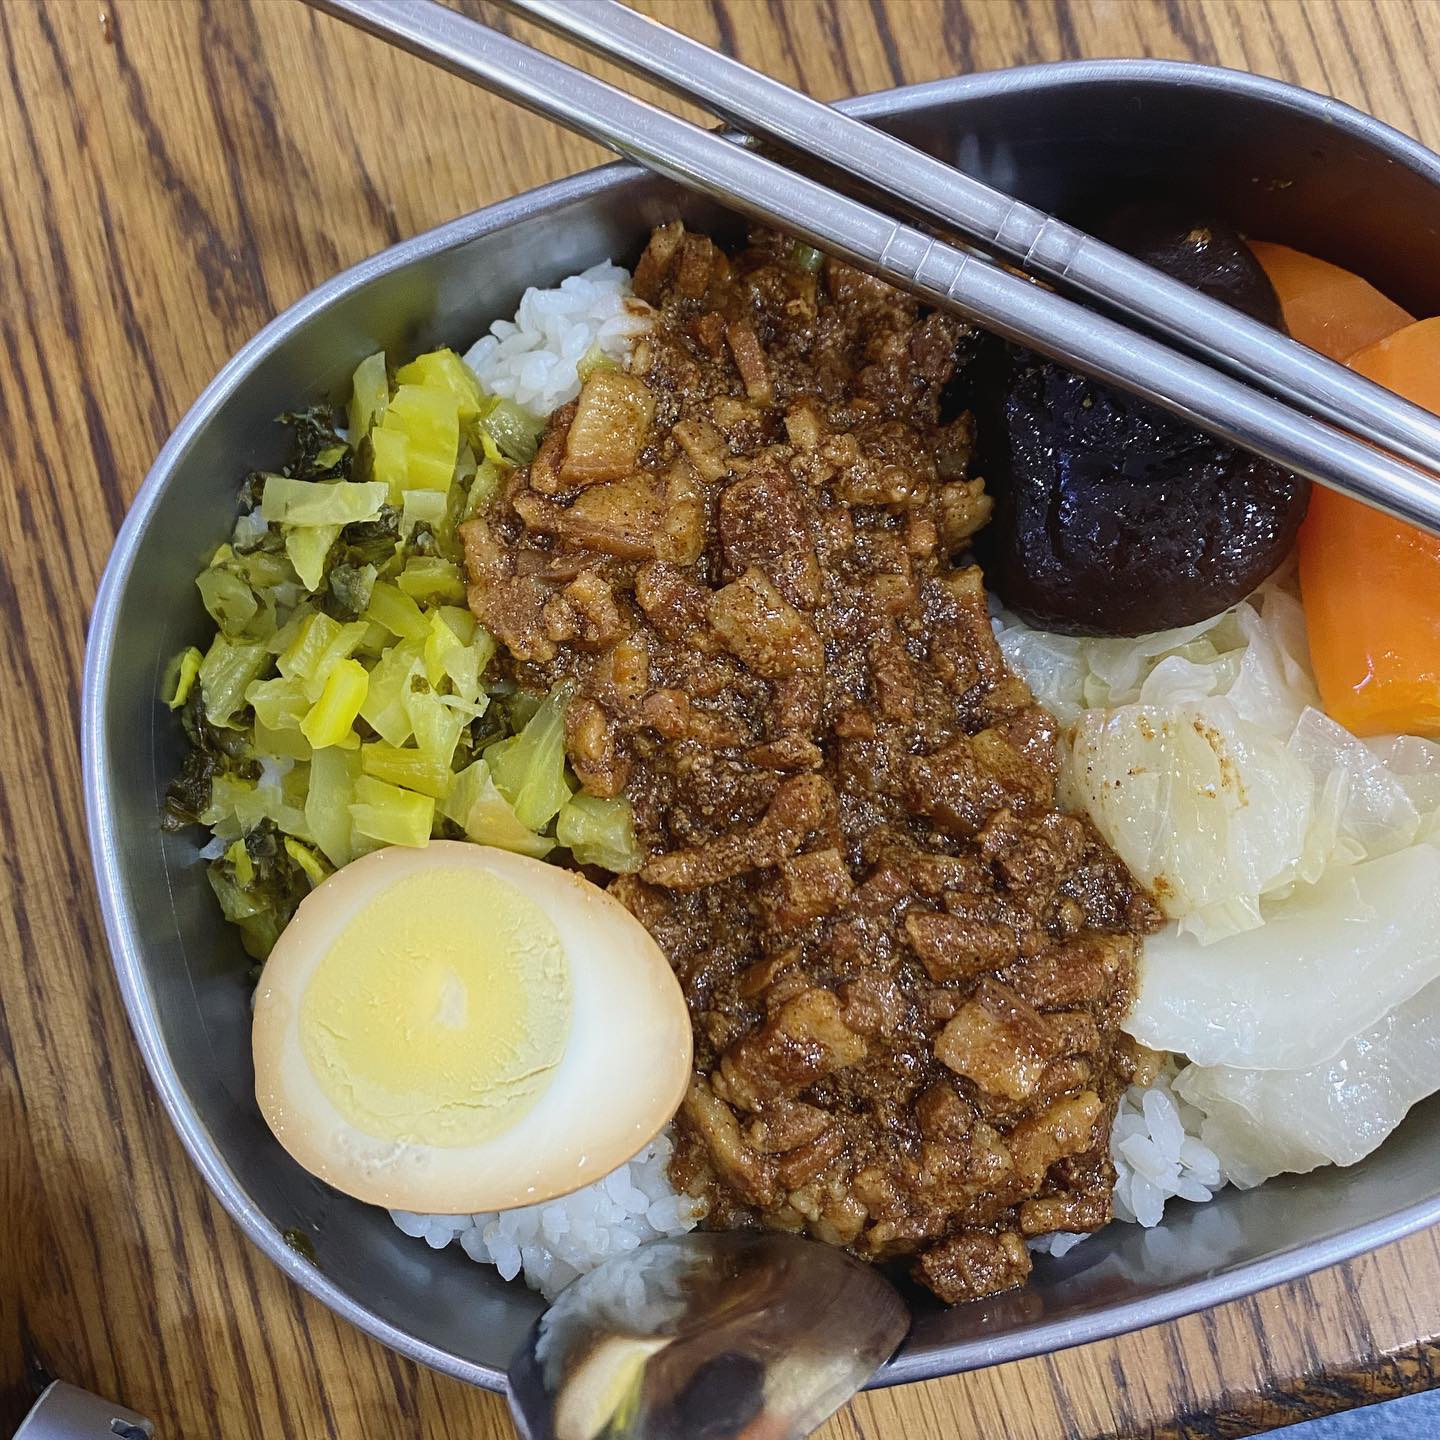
(532, 359)
(1158, 1155)
(552, 1243)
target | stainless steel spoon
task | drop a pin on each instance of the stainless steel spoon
(706, 1337)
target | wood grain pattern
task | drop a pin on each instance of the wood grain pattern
(172, 173)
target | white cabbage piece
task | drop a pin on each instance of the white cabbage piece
(1274, 683)
(1415, 764)
(1272, 1122)
(1203, 758)
(1071, 674)
(1329, 962)
(1375, 813)
(1205, 807)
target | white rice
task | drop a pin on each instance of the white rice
(1158, 1155)
(532, 358)
(553, 1243)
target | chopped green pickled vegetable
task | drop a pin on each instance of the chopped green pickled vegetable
(384, 708)
(422, 507)
(441, 643)
(228, 600)
(466, 628)
(484, 485)
(186, 671)
(600, 832)
(391, 815)
(374, 542)
(295, 622)
(307, 642)
(390, 459)
(259, 884)
(407, 767)
(332, 715)
(308, 547)
(515, 431)
(446, 654)
(376, 642)
(429, 420)
(306, 859)
(228, 794)
(320, 502)
(592, 360)
(317, 648)
(529, 768)
(225, 672)
(241, 864)
(343, 644)
(248, 805)
(279, 704)
(369, 395)
(519, 706)
(320, 453)
(437, 725)
(346, 683)
(333, 773)
(397, 612)
(445, 370)
(287, 743)
(236, 904)
(431, 578)
(350, 588)
(487, 817)
(457, 499)
(212, 752)
(259, 928)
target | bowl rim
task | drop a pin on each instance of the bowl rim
(105, 841)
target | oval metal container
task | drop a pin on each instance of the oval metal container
(1281, 163)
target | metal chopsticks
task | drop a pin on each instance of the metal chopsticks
(1038, 242)
(966, 283)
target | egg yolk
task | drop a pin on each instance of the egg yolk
(440, 1011)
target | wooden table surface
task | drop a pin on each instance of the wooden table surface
(172, 174)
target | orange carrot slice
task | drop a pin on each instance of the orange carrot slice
(1325, 307)
(1370, 584)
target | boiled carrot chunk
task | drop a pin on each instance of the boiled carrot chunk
(1325, 307)
(1370, 584)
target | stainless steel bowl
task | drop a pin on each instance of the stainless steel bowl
(1281, 162)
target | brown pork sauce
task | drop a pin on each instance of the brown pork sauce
(905, 967)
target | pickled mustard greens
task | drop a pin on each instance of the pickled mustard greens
(346, 699)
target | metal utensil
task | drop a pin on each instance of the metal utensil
(65, 1412)
(965, 283)
(706, 1337)
(1035, 240)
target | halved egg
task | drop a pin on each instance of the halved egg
(458, 1029)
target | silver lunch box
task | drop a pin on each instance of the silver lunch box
(1280, 162)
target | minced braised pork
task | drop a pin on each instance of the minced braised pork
(905, 968)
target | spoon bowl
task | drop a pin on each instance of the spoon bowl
(709, 1337)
